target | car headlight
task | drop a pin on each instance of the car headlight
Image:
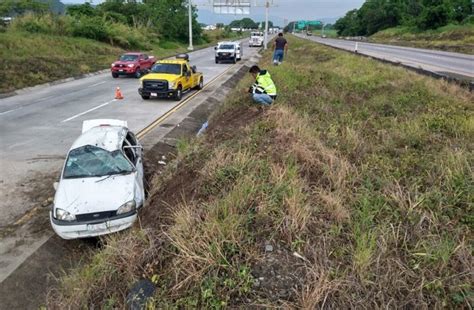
(112, 65)
(171, 85)
(130, 65)
(64, 215)
(126, 207)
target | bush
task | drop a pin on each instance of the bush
(91, 27)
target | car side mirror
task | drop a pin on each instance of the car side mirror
(55, 185)
(194, 68)
(215, 48)
(188, 73)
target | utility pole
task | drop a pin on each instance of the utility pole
(265, 40)
(190, 13)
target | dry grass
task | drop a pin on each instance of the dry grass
(360, 178)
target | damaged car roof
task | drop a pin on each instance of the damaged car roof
(108, 137)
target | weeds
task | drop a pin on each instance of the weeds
(354, 191)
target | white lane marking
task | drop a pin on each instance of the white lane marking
(96, 84)
(6, 112)
(90, 110)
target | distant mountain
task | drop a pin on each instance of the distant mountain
(55, 6)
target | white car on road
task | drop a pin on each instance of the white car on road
(101, 186)
(256, 39)
(228, 51)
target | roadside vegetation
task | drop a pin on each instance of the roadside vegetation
(39, 46)
(454, 38)
(354, 190)
(442, 24)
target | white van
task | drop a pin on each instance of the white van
(228, 51)
(256, 39)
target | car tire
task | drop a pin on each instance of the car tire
(178, 93)
(201, 84)
(138, 73)
(145, 97)
(115, 75)
(234, 60)
(217, 60)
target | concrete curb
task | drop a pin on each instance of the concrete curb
(469, 84)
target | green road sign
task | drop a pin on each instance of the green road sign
(302, 24)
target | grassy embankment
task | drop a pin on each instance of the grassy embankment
(362, 169)
(453, 38)
(29, 59)
(331, 33)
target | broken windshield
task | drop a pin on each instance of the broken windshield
(92, 161)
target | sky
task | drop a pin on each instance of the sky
(325, 10)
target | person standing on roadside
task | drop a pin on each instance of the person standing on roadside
(263, 91)
(280, 46)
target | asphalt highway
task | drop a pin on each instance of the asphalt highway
(445, 63)
(38, 128)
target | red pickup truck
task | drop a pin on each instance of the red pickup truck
(135, 64)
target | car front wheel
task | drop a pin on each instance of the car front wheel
(217, 60)
(115, 75)
(178, 94)
(145, 97)
(201, 84)
(138, 73)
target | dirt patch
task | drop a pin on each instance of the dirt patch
(279, 275)
(228, 125)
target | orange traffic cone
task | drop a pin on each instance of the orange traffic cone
(118, 93)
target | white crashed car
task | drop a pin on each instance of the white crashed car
(101, 186)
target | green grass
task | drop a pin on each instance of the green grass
(30, 59)
(363, 169)
(455, 38)
(331, 33)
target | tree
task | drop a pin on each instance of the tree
(246, 23)
(270, 24)
(78, 10)
(19, 7)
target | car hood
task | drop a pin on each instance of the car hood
(119, 62)
(161, 76)
(86, 195)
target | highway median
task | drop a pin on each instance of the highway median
(354, 190)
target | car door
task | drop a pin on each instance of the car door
(134, 151)
(187, 77)
(147, 61)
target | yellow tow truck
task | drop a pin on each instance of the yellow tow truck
(170, 78)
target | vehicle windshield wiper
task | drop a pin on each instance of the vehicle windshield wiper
(124, 172)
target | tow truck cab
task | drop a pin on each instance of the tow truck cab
(256, 39)
(170, 78)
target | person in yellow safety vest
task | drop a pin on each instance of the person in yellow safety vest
(263, 90)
